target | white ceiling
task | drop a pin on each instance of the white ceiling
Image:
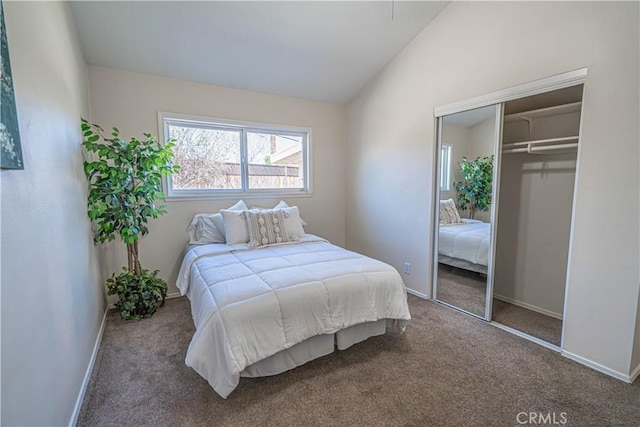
(324, 51)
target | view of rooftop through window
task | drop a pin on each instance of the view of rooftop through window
(275, 161)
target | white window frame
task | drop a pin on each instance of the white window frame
(445, 167)
(165, 119)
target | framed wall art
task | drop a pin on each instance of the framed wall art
(10, 148)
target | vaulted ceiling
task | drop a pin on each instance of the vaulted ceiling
(317, 50)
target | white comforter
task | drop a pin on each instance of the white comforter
(248, 304)
(469, 241)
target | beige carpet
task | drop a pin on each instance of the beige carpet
(448, 369)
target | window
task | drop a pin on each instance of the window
(219, 158)
(445, 168)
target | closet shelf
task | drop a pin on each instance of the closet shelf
(544, 112)
(541, 145)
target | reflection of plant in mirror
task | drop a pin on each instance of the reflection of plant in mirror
(474, 191)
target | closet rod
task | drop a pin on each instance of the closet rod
(540, 141)
(532, 150)
(554, 147)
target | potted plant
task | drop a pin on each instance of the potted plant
(474, 191)
(124, 184)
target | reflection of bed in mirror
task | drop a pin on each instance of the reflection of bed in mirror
(464, 245)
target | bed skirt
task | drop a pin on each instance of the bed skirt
(460, 263)
(315, 347)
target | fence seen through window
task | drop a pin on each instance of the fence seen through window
(218, 158)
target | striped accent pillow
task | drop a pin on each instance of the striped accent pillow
(266, 227)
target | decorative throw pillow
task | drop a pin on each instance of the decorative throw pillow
(448, 212)
(191, 230)
(283, 205)
(266, 227)
(203, 230)
(293, 223)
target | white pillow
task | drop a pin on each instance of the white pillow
(284, 204)
(209, 227)
(448, 212)
(239, 206)
(281, 204)
(219, 221)
(203, 230)
(293, 223)
(235, 226)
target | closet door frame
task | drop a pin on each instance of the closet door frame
(548, 84)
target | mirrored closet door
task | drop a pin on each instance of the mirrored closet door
(463, 239)
(504, 206)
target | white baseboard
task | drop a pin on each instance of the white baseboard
(601, 368)
(634, 374)
(87, 375)
(529, 306)
(416, 293)
(173, 295)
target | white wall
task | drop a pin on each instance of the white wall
(482, 138)
(131, 102)
(536, 202)
(495, 46)
(52, 295)
(533, 230)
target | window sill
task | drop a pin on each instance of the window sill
(237, 196)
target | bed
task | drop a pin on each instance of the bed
(261, 311)
(464, 245)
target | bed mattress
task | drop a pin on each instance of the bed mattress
(251, 304)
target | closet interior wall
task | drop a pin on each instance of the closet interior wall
(536, 201)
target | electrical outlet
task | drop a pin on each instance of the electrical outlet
(407, 268)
